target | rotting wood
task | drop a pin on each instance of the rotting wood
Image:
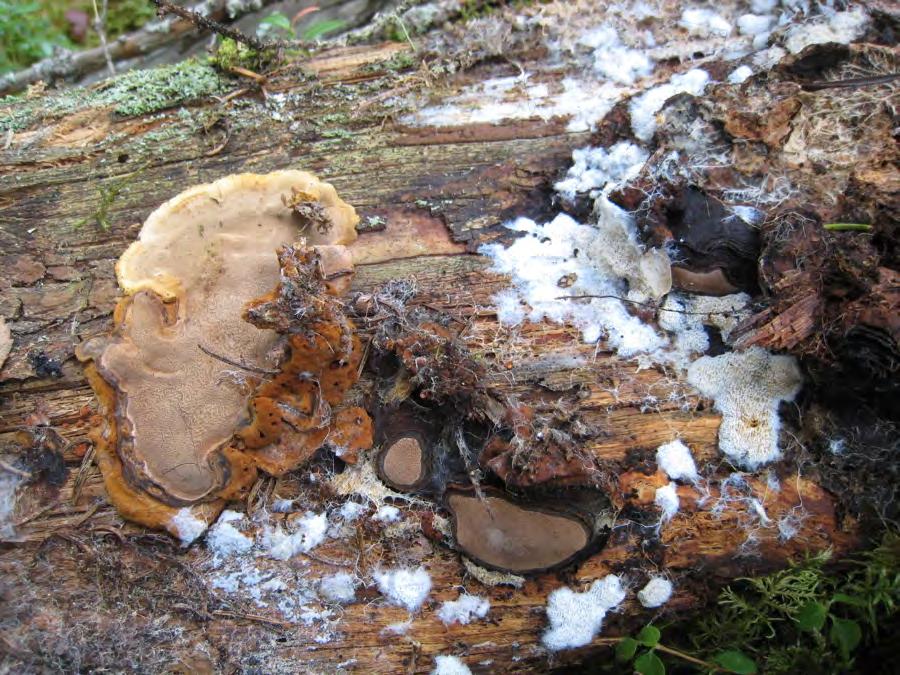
(441, 193)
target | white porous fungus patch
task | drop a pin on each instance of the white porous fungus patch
(224, 539)
(704, 23)
(656, 593)
(740, 74)
(187, 526)
(584, 101)
(404, 587)
(667, 500)
(746, 388)
(387, 514)
(464, 609)
(841, 27)
(309, 532)
(339, 587)
(685, 316)
(576, 618)
(676, 460)
(598, 168)
(450, 665)
(643, 108)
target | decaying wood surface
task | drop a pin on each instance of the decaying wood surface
(440, 193)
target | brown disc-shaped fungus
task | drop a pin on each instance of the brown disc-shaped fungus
(407, 440)
(515, 537)
(175, 375)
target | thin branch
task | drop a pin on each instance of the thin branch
(100, 27)
(236, 364)
(851, 83)
(649, 305)
(163, 8)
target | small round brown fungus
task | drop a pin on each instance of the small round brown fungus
(500, 534)
(402, 463)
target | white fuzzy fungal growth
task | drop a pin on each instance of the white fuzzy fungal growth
(740, 74)
(576, 618)
(602, 261)
(676, 460)
(387, 514)
(747, 388)
(310, 532)
(464, 609)
(754, 24)
(450, 665)
(704, 23)
(667, 500)
(404, 588)
(612, 59)
(350, 511)
(224, 539)
(643, 108)
(842, 27)
(187, 525)
(656, 593)
(601, 168)
(339, 588)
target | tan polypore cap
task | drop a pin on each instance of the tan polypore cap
(402, 462)
(501, 534)
(199, 258)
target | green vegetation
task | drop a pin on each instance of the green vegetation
(278, 26)
(805, 619)
(26, 35)
(29, 31)
(232, 54)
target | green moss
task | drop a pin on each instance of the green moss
(231, 54)
(140, 92)
(137, 92)
(336, 133)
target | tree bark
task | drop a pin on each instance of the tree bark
(441, 192)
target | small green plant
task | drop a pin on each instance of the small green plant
(320, 29)
(643, 650)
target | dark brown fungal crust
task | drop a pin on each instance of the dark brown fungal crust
(521, 537)
(716, 250)
(541, 447)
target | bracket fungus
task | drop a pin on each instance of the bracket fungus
(190, 380)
